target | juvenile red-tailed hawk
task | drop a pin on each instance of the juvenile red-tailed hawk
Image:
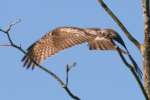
(65, 37)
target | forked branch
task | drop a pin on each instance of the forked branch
(131, 68)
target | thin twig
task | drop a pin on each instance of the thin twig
(68, 69)
(67, 74)
(131, 68)
(12, 44)
(120, 24)
(12, 24)
(5, 45)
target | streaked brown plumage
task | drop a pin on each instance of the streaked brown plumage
(65, 37)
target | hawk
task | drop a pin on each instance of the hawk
(65, 37)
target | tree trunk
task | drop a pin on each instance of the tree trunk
(146, 55)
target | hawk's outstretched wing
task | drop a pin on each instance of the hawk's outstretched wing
(52, 43)
(65, 37)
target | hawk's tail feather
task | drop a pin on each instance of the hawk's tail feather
(95, 45)
(99, 45)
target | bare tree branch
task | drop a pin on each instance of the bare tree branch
(12, 24)
(12, 44)
(5, 45)
(133, 40)
(120, 24)
(131, 68)
(67, 74)
(68, 69)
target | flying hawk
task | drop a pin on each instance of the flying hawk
(65, 37)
